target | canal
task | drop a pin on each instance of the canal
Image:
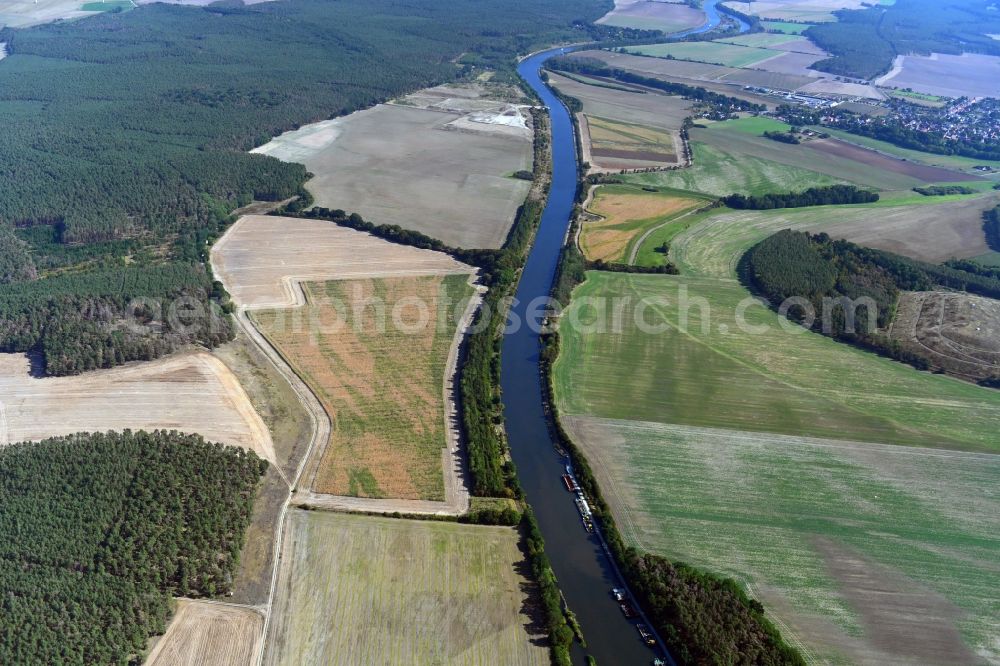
(585, 572)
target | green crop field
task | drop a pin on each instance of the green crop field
(753, 125)
(716, 53)
(729, 137)
(111, 5)
(787, 27)
(776, 512)
(709, 372)
(649, 251)
(761, 39)
(719, 171)
(365, 590)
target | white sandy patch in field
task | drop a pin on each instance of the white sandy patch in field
(297, 145)
(3, 50)
(415, 164)
(829, 86)
(191, 393)
(969, 74)
(261, 257)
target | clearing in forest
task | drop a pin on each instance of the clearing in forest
(361, 590)
(261, 258)
(375, 353)
(965, 75)
(716, 53)
(625, 215)
(439, 161)
(815, 11)
(667, 16)
(192, 393)
(214, 633)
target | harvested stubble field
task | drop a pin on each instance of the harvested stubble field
(24, 13)
(700, 367)
(260, 258)
(930, 232)
(960, 331)
(651, 109)
(442, 173)
(626, 214)
(188, 392)
(653, 15)
(209, 633)
(365, 590)
(953, 162)
(865, 553)
(927, 174)
(374, 352)
(966, 75)
(778, 42)
(716, 53)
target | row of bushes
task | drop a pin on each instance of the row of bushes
(814, 196)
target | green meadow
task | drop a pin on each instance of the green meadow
(772, 511)
(787, 27)
(718, 171)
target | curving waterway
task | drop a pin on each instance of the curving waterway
(585, 571)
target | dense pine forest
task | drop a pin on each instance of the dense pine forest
(102, 529)
(125, 138)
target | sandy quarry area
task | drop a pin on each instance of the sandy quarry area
(261, 257)
(203, 632)
(960, 332)
(190, 392)
(439, 161)
(24, 13)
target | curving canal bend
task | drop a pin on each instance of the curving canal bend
(585, 571)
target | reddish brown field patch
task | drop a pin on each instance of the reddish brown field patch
(381, 383)
(928, 174)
